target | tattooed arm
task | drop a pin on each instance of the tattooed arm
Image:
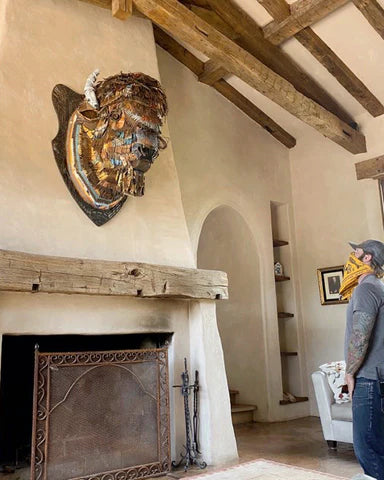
(362, 327)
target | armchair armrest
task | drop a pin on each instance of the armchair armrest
(324, 397)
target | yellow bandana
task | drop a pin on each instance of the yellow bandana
(353, 269)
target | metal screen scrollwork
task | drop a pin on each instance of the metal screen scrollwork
(101, 415)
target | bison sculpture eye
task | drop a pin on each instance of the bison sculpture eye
(108, 138)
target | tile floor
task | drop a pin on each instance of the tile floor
(297, 442)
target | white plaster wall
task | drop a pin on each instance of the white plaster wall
(226, 242)
(331, 208)
(61, 41)
(224, 158)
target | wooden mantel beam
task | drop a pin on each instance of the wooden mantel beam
(26, 272)
(303, 14)
(279, 10)
(180, 22)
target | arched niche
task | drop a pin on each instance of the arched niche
(226, 243)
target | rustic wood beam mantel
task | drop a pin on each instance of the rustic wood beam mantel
(197, 67)
(279, 10)
(303, 14)
(177, 20)
(372, 168)
(26, 272)
(373, 12)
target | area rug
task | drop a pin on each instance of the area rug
(265, 470)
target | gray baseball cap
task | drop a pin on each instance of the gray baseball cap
(374, 247)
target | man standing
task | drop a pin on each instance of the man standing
(364, 352)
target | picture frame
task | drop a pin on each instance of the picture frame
(329, 280)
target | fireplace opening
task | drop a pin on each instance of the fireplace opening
(17, 378)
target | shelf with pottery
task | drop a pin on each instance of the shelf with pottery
(287, 323)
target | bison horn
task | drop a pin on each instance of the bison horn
(89, 89)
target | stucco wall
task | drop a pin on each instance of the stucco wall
(331, 208)
(224, 158)
(62, 41)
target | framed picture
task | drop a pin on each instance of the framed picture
(329, 280)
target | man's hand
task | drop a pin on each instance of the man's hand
(350, 380)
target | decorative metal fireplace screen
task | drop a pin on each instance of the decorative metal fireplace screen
(101, 415)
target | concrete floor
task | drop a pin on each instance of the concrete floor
(297, 442)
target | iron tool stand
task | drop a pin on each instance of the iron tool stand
(192, 451)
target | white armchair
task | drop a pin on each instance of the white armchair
(336, 419)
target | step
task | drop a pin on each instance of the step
(242, 413)
(232, 395)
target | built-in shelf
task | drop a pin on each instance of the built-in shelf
(285, 315)
(281, 278)
(279, 243)
(298, 400)
(288, 354)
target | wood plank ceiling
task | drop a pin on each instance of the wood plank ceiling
(235, 44)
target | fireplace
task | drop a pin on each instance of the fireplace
(105, 412)
(79, 305)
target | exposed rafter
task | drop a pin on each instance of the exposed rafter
(252, 40)
(212, 73)
(373, 12)
(303, 14)
(372, 168)
(197, 67)
(186, 26)
(280, 10)
(121, 9)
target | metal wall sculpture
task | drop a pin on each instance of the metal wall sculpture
(101, 415)
(108, 139)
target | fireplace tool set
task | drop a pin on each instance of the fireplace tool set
(192, 452)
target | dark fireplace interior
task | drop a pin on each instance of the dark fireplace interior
(17, 374)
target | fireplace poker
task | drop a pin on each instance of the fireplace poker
(192, 452)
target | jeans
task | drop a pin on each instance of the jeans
(368, 427)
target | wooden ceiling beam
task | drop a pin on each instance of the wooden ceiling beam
(252, 39)
(278, 9)
(215, 21)
(372, 168)
(303, 14)
(180, 22)
(122, 9)
(335, 66)
(373, 12)
(197, 67)
(212, 73)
